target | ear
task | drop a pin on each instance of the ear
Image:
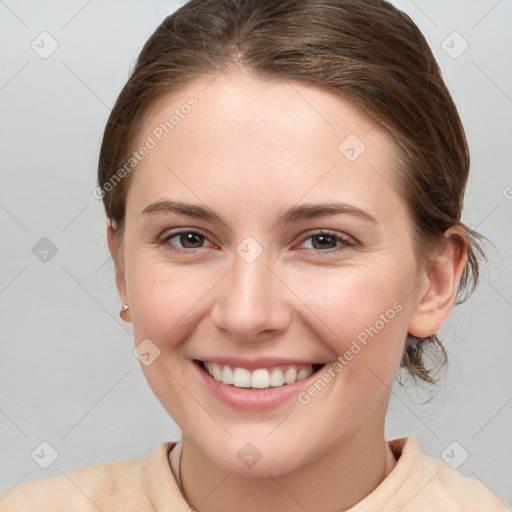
(119, 264)
(436, 294)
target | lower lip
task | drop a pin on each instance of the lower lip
(250, 399)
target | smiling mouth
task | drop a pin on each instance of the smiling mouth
(259, 378)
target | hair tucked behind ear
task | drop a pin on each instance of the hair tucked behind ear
(365, 51)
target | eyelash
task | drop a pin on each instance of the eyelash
(164, 240)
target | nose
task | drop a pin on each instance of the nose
(251, 301)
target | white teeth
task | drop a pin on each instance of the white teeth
(241, 378)
(227, 375)
(261, 378)
(290, 376)
(217, 372)
(276, 378)
(304, 373)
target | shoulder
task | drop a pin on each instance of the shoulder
(82, 489)
(432, 484)
(109, 486)
(463, 492)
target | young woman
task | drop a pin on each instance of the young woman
(283, 182)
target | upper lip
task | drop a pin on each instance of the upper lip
(261, 362)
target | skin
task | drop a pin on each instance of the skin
(252, 148)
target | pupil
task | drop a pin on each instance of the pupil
(189, 239)
(325, 238)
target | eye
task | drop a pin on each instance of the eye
(326, 241)
(183, 240)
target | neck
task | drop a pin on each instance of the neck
(334, 481)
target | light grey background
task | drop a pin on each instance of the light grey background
(67, 372)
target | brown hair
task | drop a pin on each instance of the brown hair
(367, 52)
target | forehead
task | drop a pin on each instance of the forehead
(247, 137)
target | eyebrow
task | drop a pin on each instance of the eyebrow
(293, 214)
(192, 210)
(311, 211)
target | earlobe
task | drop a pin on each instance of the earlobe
(436, 298)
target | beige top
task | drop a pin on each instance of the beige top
(417, 483)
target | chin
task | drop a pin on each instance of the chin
(256, 459)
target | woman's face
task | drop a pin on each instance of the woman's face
(251, 274)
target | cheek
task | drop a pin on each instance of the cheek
(165, 300)
(366, 319)
(361, 314)
(166, 305)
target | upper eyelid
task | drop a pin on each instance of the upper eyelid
(317, 232)
(178, 231)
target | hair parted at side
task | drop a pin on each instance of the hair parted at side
(365, 51)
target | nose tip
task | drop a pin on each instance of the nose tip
(251, 301)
